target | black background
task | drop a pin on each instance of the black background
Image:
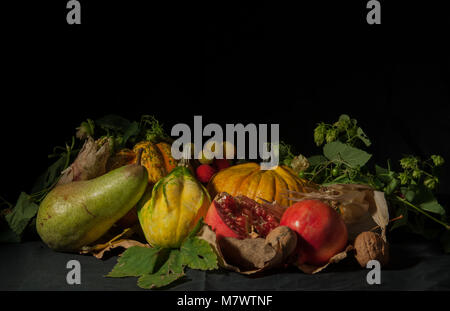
(231, 62)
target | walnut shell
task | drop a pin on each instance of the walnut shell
(371, 246)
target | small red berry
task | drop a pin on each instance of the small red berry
(204, 172)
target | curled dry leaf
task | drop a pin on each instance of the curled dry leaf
(360, 206)
(247, 254)
(122, 240)
(311, 269)
(90, 162)
(284, 241)
(252, 255)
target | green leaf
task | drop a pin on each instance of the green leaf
(158, 279)
(384, 174)
(135, 261)
(114, 123)
(22, 213)
(169, 264)
(433, 206)
(316, 160)
(50, 176)
(131, 130)
(388, 178)
(425, 200)
(198, 254)
(171, 271)
(392, 186)
(409, 192)
(340, 151)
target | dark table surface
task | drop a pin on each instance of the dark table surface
(416, 264)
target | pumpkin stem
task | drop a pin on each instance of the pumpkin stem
(139, 156)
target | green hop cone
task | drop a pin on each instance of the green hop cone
(319, 134)
(331, 135)
(409, 162)
(416, 174)
(343, 124)
(403, 178)
(437, 160)
(431, 183)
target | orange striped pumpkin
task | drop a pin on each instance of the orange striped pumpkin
(249, 180)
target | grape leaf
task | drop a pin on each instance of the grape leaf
(409, 192)
(135, 261)
(171, 271)
(316, 160)
(113, 122)
(158, 267)
(22, 213)
(197, 254)
(50, 176)
(130, 131)
(425, 199)
(433, 206)
(340, 151)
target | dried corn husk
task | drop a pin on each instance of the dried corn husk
(90, 162)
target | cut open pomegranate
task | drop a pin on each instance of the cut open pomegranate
(241, 217)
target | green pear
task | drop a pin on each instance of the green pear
(77, 214)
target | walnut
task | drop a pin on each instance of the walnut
(371, 246)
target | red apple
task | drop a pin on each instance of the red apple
(322, 230)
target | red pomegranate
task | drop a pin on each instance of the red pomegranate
(322, 230)
(241, 217)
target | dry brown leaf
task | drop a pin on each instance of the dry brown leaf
(311, 269)
(247, 254)
(124, 243)
(120, 240)
(90, 162)
(253, 255)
